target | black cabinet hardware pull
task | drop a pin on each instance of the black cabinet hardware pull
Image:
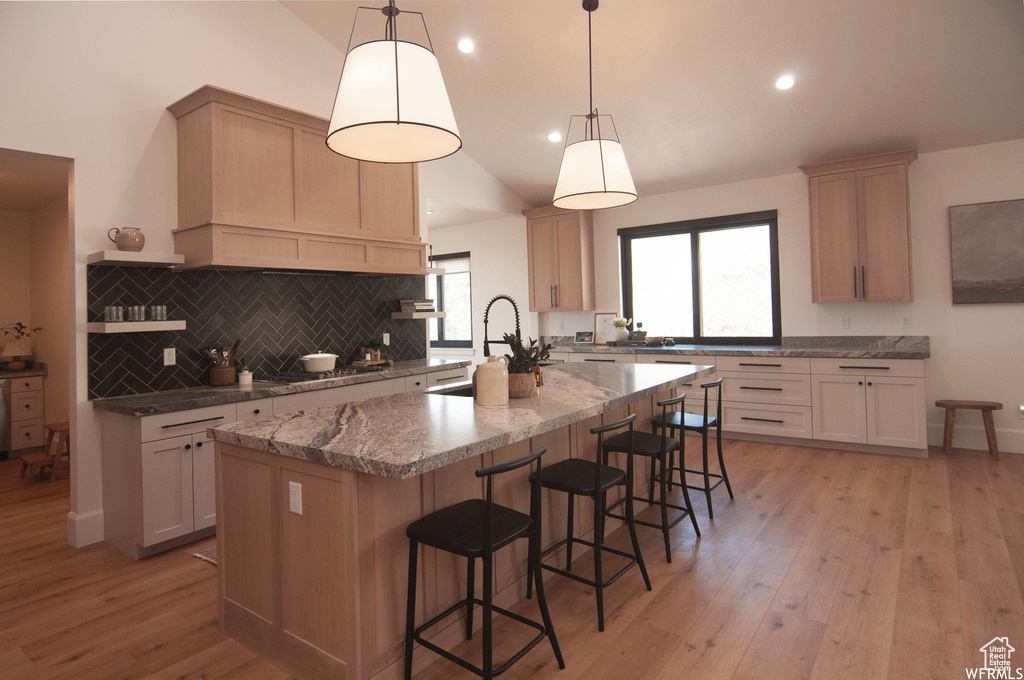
(761, 420)
(256, 411)
(687, 384)
(665, 361)
(451, 377)
(854, 282)
(860, 382)
(28, 406)
(764, 389)
(192, 422)
(868, 368)
(607, 361)
(27, 384)
(199, 445)
(869, 383)
(763, 365)
(188, 446)
(863, 283)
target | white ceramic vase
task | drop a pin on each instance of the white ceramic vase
(621, 334)
(491, 379)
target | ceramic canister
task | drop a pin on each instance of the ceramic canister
(129, 238)
(492, 382)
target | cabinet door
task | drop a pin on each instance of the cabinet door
(837, 407)
(166, 489)
(542, 241)
(388, 201)
(204, 494)
(326, 187)
(834, 238)
(569, 282)
(896, 413)
(884, 234)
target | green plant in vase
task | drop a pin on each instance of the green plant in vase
(524, 365)
(19, 346)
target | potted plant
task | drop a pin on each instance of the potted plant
(19, 346)
(524, 365)
(622, 328)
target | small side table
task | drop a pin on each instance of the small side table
(986, 408)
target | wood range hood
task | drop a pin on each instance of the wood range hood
(259, 189)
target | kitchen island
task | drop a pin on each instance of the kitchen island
(312, 509)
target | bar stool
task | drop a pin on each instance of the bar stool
(677, 420)
(657, 448)
(476, 529)
(578, 477)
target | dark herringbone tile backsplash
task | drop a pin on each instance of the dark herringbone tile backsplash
(279, 316)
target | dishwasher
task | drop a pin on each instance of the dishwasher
(5, 418)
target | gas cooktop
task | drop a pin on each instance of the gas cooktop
(305, 376)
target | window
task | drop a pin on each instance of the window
(451, 292)
(709, 280)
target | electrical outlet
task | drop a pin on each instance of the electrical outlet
(561, 325)
(295, 497)
(386, 339)
(905, 321)
(844, 323)
(170, 356)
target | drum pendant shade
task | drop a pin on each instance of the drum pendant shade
(392, 106)
(594, 175)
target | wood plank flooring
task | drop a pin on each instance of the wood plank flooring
(826, 565)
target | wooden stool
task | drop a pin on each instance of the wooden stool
(51, 456)
(986, 408)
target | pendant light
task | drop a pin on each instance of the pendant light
(594, 173)
(392, 105)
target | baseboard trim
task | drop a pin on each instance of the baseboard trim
(973, 436)
(85, 528)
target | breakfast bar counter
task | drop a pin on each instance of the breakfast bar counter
(312, 509)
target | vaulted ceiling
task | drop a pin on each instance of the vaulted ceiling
(690, 83)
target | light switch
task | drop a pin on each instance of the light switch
(295, 497)
(170, 356)
(386, 339)
(844, 322)
(905, 321)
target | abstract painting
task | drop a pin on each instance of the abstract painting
(987, 242)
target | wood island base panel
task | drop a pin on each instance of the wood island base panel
(311, 538)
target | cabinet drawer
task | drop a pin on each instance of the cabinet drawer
(257, 408)
(186, 422)
(761, 388)
(901, 368)
(609, 358)
(447, 377)
(694, 392)
(415, 383)
(689, 359)
(558, 357)
(764, 364)
(26, 434)
(770, 419)
(27, 384)
(26, 405)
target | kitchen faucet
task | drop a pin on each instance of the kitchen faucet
(487, 312)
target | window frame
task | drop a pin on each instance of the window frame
(694, 228)
(441, 343)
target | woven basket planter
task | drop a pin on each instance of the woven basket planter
(521, 385)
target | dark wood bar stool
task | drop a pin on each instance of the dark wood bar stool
(578, 477)
(476, 529)
(657, 448)
(678, 420)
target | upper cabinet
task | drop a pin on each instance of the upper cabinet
(258, 187)
(860, 229)
(561, 259)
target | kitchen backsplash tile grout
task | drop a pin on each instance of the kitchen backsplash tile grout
(278, 315)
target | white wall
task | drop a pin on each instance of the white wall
(50, 292)
(14, 270)
(91, 81)
(498, 264)
(976, 350)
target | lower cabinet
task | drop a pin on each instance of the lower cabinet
(177, 488)
(882, 411)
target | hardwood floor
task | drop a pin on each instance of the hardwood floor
(826, 565)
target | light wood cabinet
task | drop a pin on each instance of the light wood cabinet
(860, 229)
(258, 187)
(560, 246)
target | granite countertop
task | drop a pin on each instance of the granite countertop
(829, 346)
(404, 435)
(27, 373)
(201, 397)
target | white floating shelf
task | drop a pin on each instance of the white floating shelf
(124, 258)
(135, 326)
(437, 271)
(417, 315)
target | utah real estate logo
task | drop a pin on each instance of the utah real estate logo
(998, 665)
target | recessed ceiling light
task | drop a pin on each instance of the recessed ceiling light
(785, 82)
(555, 137)
(466, 45)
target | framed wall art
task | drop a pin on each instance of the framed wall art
(987, 252)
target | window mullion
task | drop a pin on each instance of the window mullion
(695, 274)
